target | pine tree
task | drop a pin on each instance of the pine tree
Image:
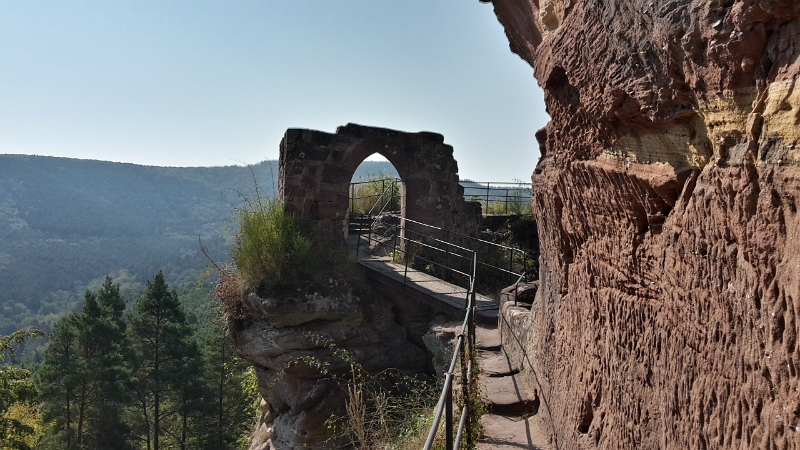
(228, 404)
(166, 367)
(108, 355)
(84, 375)
(60, 378)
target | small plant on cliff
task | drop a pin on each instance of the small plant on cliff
(388, 410)
(272, 249)
(271, 244)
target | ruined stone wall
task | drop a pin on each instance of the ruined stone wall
(666, 198)
(334, 318)
(316, 169)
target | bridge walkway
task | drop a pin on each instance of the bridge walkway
(440, 294)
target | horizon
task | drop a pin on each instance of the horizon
(199, 84)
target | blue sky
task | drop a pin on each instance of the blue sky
(200, 83)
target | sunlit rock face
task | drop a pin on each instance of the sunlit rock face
(666, 198)
(302, 344)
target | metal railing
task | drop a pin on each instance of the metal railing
(404, 244)
(499, 197)
(389, 195)
(465, 344)
(510, 262)
(445, 405)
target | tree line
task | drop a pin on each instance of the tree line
(139, 379)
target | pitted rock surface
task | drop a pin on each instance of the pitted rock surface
(666, 199)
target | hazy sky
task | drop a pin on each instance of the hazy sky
(200, 83)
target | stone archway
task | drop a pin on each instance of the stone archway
(316, 169)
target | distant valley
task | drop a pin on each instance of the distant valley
(66, 223)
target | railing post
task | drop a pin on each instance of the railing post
(358, 239)
(525, 265)
(383, 189)
(471, 326)
(405, 257)
(511, 262)
(446, 253)
(486, 209)
(369, 233)
(448, 414)
(394, 244)
(396, 196)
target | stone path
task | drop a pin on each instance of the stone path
(511, 421)
(444, 296)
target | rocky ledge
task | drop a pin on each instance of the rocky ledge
(301, 341)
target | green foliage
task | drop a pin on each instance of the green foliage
(271, 245)
(384, 410)
(513, 204)
(168, 361)
(85, 376)
(17, 392)
(110, 380)
(231, 394)
(376, 193)
(7, 343)
(28, 429)
(470, 395)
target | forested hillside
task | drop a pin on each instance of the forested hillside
(65, 224)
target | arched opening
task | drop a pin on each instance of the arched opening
(376, 188)
(317, 169)
(376, 205)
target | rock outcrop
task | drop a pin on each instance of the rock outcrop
(666, 199)
(302, 345)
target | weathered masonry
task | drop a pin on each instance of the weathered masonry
(316, 169)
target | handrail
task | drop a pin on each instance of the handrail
(512, 196)
(505, 248)
(390, 188)
(402, 231)
(372, 181)
(445, 404)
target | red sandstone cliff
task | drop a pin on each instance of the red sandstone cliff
(667, 204)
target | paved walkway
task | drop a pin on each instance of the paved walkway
(444, 296)
(447, 297)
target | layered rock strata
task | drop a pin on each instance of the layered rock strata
(302, 345)
(666, 199)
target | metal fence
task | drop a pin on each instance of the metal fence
(496, 197)
(499, 197)
(376, 196)
(464, 354)
(494, 261)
